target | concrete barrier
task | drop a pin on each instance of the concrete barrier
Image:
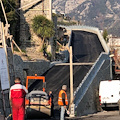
(86, 95)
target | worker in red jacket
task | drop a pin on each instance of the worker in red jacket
(17, 100)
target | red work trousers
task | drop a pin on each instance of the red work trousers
(18, 108)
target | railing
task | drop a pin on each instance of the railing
(88, 79)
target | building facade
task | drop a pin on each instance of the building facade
(28, 10)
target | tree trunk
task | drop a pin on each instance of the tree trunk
(42, 43)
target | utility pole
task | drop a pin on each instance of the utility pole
(71, 76)
(72, 105)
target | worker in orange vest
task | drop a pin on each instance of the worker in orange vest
(63, 101)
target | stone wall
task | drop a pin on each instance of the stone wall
(90, 102)
(29, 68)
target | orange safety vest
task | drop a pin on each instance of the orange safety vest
(60, 98)
(49, 101)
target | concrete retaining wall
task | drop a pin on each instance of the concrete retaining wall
(29, 68)
(87, 96)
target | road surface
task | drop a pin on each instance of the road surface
(86, 46)
(105, 115)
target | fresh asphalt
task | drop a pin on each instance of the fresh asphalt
(86, 49)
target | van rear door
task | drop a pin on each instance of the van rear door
(109, 92)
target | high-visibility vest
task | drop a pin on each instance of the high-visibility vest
(60, 102)
(49, 101)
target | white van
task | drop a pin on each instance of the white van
(109, 93)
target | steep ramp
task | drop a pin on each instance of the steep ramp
(86, 46)
(86, 49)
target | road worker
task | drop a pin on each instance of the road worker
(17, 100)
(51, 97)
(63, 101)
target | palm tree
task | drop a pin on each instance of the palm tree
(43, 27)
(105, 34)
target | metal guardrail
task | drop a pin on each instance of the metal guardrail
(88, 79)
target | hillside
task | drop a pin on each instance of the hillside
(99, 13)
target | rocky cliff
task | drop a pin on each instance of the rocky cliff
(99, 13)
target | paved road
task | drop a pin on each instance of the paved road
(110, 115)
(59, 75)
(86, 46)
